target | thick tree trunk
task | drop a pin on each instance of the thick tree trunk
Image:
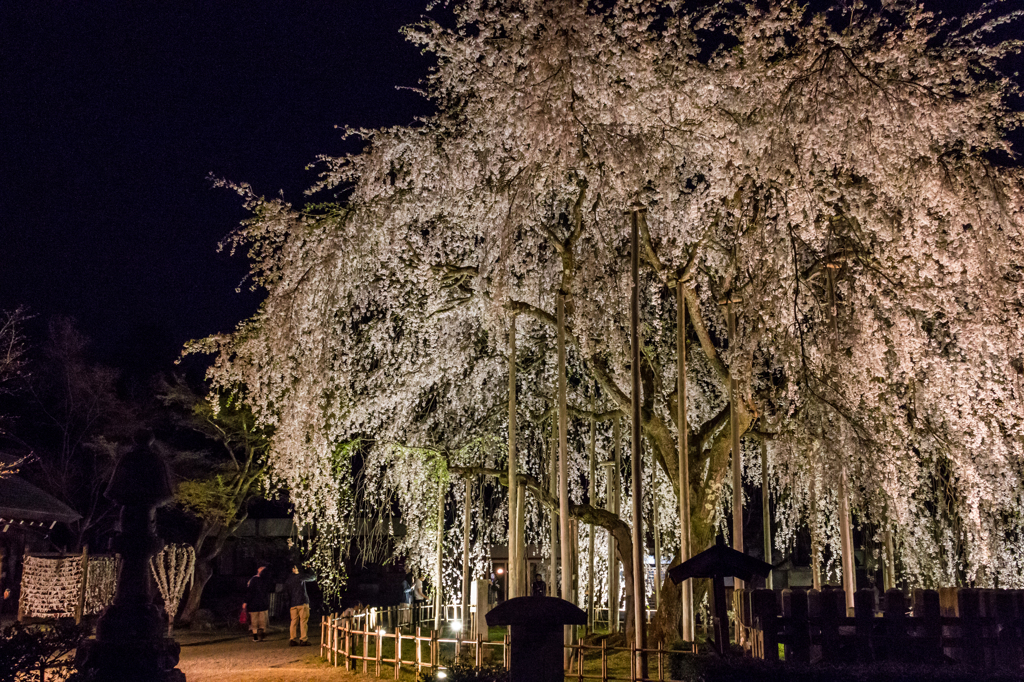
(665, 625)
(208, 547)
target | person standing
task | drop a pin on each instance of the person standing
(257, 603)
(540, 588)
(406, 613)
(298, 602)
(417, 598)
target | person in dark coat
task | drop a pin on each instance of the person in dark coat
(540, 588)
(406, 611)
(257, 603)
(298, 603)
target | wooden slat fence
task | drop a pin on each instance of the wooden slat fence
(983, 628)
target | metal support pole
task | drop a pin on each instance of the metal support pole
(514, 560)
(440, 555)
(524, 580)
(685, 552)
(639, 612)
(846, 540)
(553, 516)
(466, 570)
(563, 469)
(815, 544)
(592, 498)
(655, 503)
(737, 454)
(614, 488)
(766, 514)
(889, 569)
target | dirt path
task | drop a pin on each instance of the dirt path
(236, 658)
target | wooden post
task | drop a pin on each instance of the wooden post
(794, 605)
(686, 589)
(639, 610)
(466, 569)
(895, 643)
(366, 646)
(864, 614)
(378, 653)
(592, 498)
(440, 555)
(514, 568)
(419, 650)
(398, 652)
(972, 651)
(766, 611)
(563, 470)
(846, 539)
(830, 610)
(766, 513)
(80, 608)
(614, 486)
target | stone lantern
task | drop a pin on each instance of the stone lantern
(536, 635)
(131, 643)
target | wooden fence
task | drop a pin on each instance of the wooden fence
(361, 643)
(983, 628)
(344, 641)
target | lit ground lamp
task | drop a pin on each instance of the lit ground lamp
(536, 627)
(716, 563)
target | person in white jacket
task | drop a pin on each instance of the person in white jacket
(417, 598)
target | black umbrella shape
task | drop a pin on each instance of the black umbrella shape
(717, 562)
(720, 560)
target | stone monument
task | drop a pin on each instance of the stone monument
(131, 643)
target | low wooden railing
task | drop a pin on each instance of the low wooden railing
(352, 642)
(658, 663)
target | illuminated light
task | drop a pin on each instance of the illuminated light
(382, 632)
(500, 571)
(442, 675)
(456, 625)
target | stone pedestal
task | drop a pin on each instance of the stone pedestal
(130, 644)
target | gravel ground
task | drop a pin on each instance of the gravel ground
(234, 657)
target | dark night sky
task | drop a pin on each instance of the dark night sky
(112, 116)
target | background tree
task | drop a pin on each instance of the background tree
(216, 483)
(77, 426)
(13, 360)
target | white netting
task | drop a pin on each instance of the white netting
(50, 588)
(173, 570)
(101, 583)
